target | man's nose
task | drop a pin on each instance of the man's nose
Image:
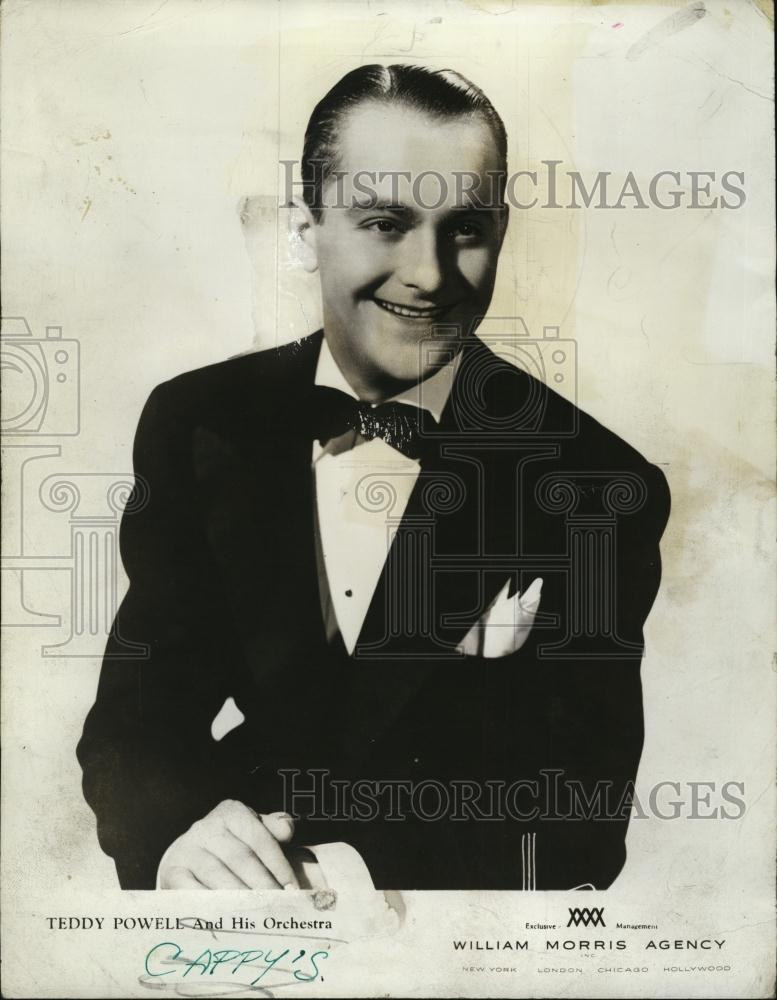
(421, 266)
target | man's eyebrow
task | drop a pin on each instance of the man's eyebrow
(380, 205)
(469, 208)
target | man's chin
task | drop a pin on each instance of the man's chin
(401, 377)
(404, 362)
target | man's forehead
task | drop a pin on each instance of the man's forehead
(394, 140)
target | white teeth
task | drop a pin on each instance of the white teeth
(406, 311)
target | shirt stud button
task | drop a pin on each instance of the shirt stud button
(349, 593)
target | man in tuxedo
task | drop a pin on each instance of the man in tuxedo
(407, 561)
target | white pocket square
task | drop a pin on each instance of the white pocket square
(505, 625)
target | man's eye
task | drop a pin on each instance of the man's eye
(383, 226)
(467, 230)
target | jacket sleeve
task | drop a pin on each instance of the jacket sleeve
(150, 766)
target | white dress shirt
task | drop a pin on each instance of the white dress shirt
(357, 518)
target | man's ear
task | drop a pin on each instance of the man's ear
(302, 232)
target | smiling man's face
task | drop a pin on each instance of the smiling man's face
(425, 256)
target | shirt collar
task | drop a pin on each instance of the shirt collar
(431, 394)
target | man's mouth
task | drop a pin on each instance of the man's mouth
(410, 312)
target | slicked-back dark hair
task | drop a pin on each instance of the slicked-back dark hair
(440, 93)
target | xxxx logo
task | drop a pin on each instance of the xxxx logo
(585, 916)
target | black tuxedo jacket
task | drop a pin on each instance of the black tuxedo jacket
(218, 542)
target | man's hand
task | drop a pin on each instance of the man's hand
(230, 848)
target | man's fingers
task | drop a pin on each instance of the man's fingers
(232, 848)
(243, 862)
(180, 878)
(252, 831)
(213, 873)
(280, 825)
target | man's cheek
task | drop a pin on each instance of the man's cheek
(477, 269)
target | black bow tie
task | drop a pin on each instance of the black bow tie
(398, 424)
